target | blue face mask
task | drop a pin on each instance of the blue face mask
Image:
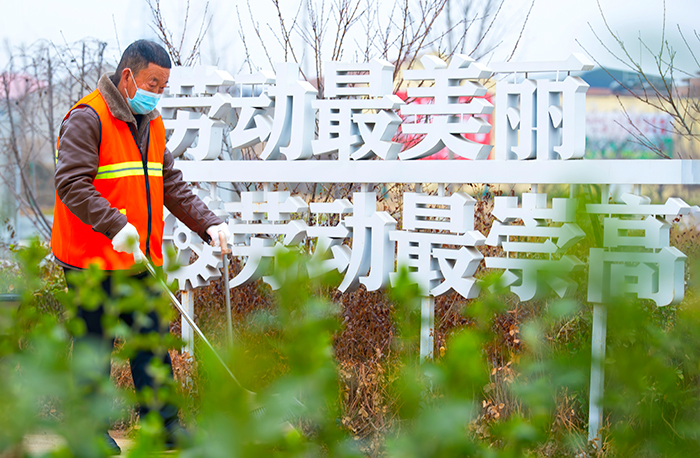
(143, 101)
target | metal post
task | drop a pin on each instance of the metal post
(427, 325)
(18, 205)
(595, 410)
(225, 285)
(6, 203)
(600, 319)
(186, 329)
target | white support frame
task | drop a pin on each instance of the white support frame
(595, 407)
(598, 337)
(597, 171)
(427, 328)
(186, 332)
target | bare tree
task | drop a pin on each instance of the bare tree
(40, 83)
(659, 89)
(176, 47)
(316, 31)
(333, 30)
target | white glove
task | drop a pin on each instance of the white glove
(213, 232)
(127, 241)
(139, 257)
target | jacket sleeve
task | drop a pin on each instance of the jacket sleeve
(183, 203)
(76, 167)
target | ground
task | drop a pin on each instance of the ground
(43, 442)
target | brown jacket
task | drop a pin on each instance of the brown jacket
(78, 158)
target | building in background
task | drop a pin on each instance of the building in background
(618, 124)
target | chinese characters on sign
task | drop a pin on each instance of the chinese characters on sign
(524, 274)
(539, 115)
(355, 129)
(636, 258)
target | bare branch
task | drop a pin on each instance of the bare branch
(43, 226)
(692, 53)
(243, 40)
(256, 27)
(522, 29)
(484, 34)
(80, 81)
(160, 27)
(116, 34)
(659, 93)
(638, 135)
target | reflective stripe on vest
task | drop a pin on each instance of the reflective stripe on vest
(128, 169)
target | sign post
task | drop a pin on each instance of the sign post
(595, 409)
(427, 328)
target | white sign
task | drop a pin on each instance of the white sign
(540, 127)
(351, 135)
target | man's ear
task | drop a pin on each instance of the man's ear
(124, 81)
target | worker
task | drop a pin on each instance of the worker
(113, 176)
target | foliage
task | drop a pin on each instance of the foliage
(338, 375)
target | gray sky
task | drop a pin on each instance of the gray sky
(550, 35)
(557, 24)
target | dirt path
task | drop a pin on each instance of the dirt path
(41, 443)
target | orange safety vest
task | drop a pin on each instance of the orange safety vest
(133, 185)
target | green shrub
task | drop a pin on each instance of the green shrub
(340, 376)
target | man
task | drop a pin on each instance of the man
(113, 176)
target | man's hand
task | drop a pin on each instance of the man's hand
(126, 240)
(213, 232)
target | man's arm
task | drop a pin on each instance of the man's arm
(76, 167)
(184, 204)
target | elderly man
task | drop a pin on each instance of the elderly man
(113, 176)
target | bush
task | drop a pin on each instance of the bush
(338, 375)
